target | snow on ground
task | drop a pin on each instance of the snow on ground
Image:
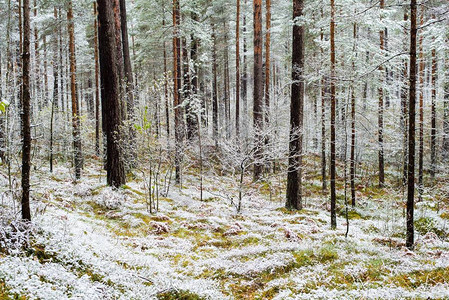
(92, 242)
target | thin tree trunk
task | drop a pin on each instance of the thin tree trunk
(411, 129)
(26, 110)
(179, 130)
(54, 103)
(404, 119)
(352, 163)
(421, 74)
(214, 88)
(75, 113)
(333, 115)
(110, 91)
(167, 105)
(194, 75)
(245, 77)
(380, 132)
(258, 90)
(267, 65)
(433, 132)
(97, 84)
(323, 122)
(237, 72)
(294, 176)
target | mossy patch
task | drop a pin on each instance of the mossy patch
(179, 295)
(422, 277)
(427, 224)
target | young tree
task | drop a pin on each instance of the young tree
(294, 180)
(433, 131)
(411, 128)
(267, 63)
(421, 75)
(110, 91)
(258, 87)
(75, 112)
(97, 83)
(26, 110)
(179, 130)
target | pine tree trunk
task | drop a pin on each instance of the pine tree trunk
(294, 176)
(214, 88)
(323, 122)
(26, 111)
(167, 104)
(411, 129)
(333, 117)
(245, 77)
(267, 65)
(352, 164)
(237, 72)
(75, 112)
(404, 119)
(179, 130)
(380, 131)
(54, 104)
(421, 75)
(258, 90)
(433, 132)
(97, 84)
(110, 91)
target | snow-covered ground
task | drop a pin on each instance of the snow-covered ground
(89, 241)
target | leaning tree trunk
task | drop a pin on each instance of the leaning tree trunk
(294, 176)
(411, 129)
(75, 112)
(110, 91)
(26, 131)
(258, 90)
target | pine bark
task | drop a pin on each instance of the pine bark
(353, 130)
(404, 118)
(97, 84)
(26, 111)
(433, 131)
(421, 75)
(110, 91)
(179, 130)
(237, 72)
(411, 128)
(258, 89)
(267, 63)
(333, 117)
(214, 87)
(75, 113)
(294, 176)
(380, 132)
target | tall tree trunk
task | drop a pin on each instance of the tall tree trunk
(433, 131)
(237, 72)
(294, 176)
(227, 94)
(404, 119)
(214, 87)
(445, 144)
(97, 84)
(323, 121)
(245, 76)
(179, 129)
(333, 115)
(352, 164)
(380, 116)
(167, 104)
(44, 44)
(120, 59)
(267, 64)
(258, 90)
(26, 110)
(187, 92)
(127, 61)
(110, 91)
(75, 113)
(421, 74)
(37, 84)
(54, 104)
(194, 75)
(411, 128)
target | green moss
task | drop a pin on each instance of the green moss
(327, 253)
(5, 293)
(427, 224)
(422, 277)
(445, 215)
(179, 295)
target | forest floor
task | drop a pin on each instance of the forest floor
(89, 241)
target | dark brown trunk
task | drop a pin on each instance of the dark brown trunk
(258, 90)
(404, 118)
(267, 64)
(380, 132)
(110, 92)
(352, 163)
(179, 128)
(97, 84)
(294, 176)
(167, 103)
(421, 74)
(245, 77)
(433, 131)
(26, 110)
(127, 61)
(410, 240)
(214, 87)
(323, 122)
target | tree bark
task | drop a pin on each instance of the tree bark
(179, 130)
(294, 176)
(214, 87)
(97, 83)
(404, 119)
(433, 131)
(75, 113)
(421, 74)
(353, 162)
(411, 128)
(237, 72)
(26, 110)
(333, 116)
(110, 91)
(380, 131)
(267, 64)
(258, 90)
